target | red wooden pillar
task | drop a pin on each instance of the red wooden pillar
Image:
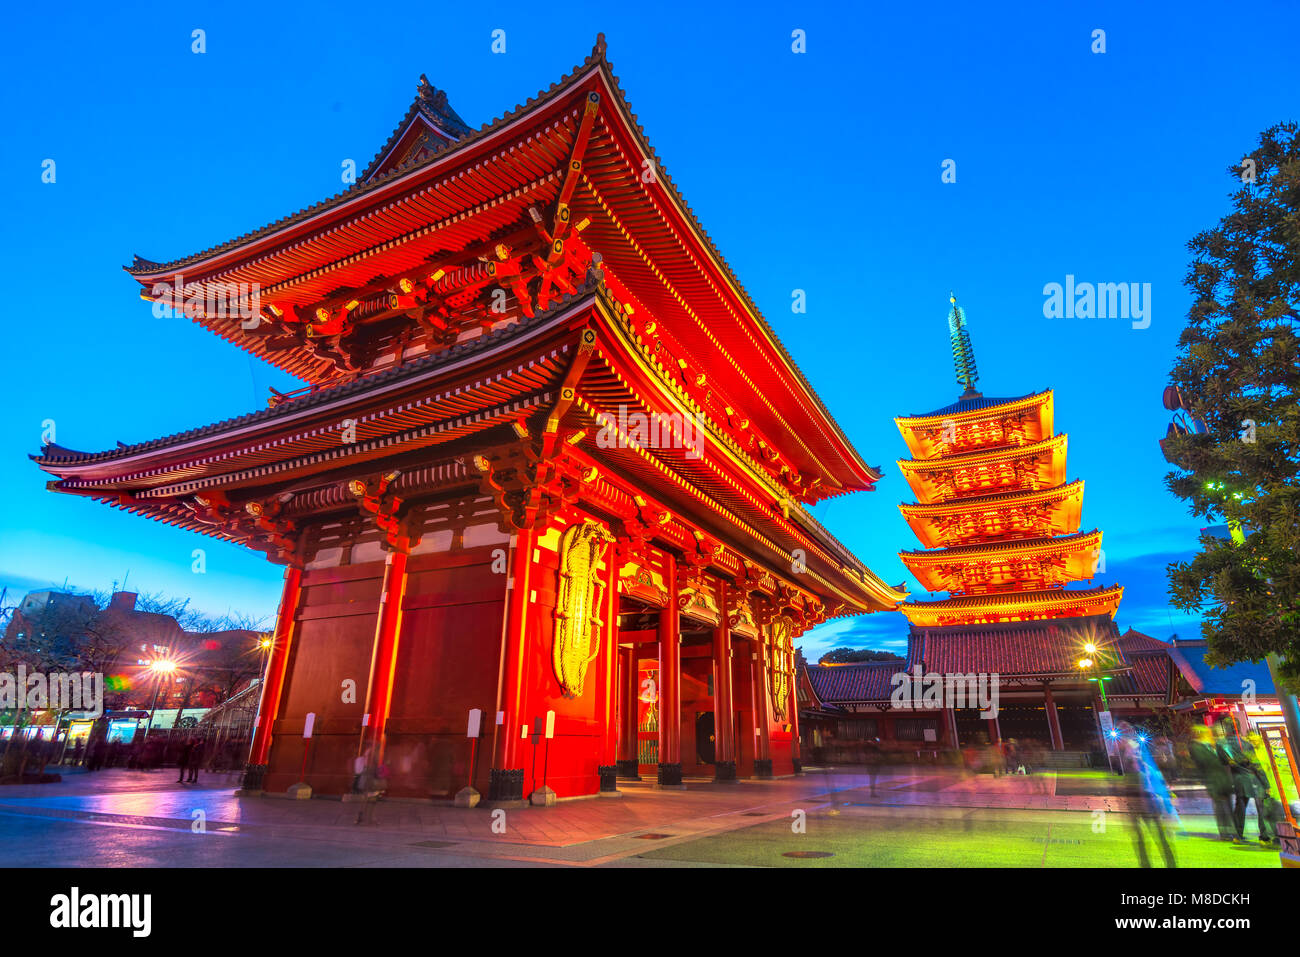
(506, 781)
(607, 766)
(670, 685)
(277, 669)
(629, 680)
(1053, 720)
(383, 667)
(795, 752)
(762, 713)
(724, 768)
(742, 689)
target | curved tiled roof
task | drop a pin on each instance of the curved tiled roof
(1231, 681)
(1011, 649)
(140, 266)
(977, 404)
(970, 405)
(974, 503)
(1134, 640)
(1050, 598)
(1017, 546)
(1149, 677)
(432, 105)
(798, 382)
(54, 455)
(868, 681)
(982, 456)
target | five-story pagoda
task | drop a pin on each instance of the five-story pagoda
(1001, 526)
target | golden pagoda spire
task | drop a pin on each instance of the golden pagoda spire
(963, 353)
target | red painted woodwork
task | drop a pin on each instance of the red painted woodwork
(670, 681)
(328, 670)
(629, 679)
(452, 613)
(383, 662)
(466, 322)
(723, 705)
(277, 666)
(747, 741)
(608, 688)
(517, 635)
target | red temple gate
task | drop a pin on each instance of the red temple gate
(546, 442)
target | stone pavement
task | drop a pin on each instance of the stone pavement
(138, 818)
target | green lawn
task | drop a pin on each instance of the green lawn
(861, 837)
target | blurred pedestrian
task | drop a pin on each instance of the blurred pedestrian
(183, 759)
(874, 758)
(1250, 783)
(1216, 775)
(1155, 808)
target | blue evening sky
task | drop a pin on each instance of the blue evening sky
(817, 171)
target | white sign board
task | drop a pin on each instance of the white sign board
(550, 724)
(309, 724)
(1107, 730)
(475, 719)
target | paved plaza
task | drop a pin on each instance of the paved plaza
(917, 818)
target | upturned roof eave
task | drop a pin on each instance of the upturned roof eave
(393, 377)
(974, 503)
(1025, 401)
(375, 191)
(1021, 546)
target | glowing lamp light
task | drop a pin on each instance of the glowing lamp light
(1085, 662)
(163, 666)
(266, 642)
(1090, 648)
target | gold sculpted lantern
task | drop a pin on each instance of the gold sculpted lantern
(780, 679)
(578, 620)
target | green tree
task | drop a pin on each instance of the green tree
(844, 656)
(1237, 373)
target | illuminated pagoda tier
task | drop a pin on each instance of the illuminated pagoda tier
(1000, 523)
(548, 459)
(1000, 526)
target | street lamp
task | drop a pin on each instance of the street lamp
(265, 645)
(1089, 664)
(162, 668)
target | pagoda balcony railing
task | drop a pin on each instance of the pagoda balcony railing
(1006, 588)
(1010, 484)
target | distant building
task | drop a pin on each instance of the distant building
(844, 706)
(59, 630)
(49, 623)
(1243, 693)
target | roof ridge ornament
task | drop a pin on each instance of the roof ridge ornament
(963, 353)
(435, 102)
